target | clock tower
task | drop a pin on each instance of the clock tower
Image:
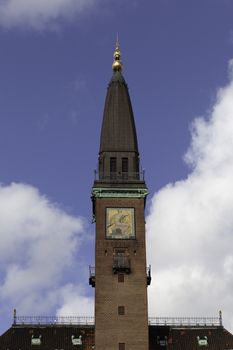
(119, 195)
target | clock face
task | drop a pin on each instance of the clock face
(120, 223)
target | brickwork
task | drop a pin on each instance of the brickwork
(132, 327)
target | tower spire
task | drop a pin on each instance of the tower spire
(119, 196)
(117, 65)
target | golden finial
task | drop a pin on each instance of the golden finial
(117, 65)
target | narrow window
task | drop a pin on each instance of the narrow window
(121, 346)
(113, 165)
(125, 165)
(137, 172)
(137, 164)
(121, 310)
(121, 278)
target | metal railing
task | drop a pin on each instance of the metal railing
(148, 271)
(90, 320)
(148, 275)
(121, 263)
(82, 320)
(185, 321)
(119, 176)
(91, 271)
(53, 320)
(92, 276)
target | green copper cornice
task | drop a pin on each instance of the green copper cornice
(98, 192)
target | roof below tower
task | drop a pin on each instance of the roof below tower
(47, 337)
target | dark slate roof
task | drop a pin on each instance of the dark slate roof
(52, 337)
(118, 128)
(182, 338)
(160, 337)
(217, 338)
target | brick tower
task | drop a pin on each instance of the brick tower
(119, 194)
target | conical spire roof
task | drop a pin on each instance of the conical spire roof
(118, 128)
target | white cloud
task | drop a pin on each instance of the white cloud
(40, 14)
(38, 246)
(75, 303)
(190, 225)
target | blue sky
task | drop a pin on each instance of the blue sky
(55, 64)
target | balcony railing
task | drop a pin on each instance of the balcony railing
(92, 276)
(148, 275)
(120, 176)
(121, 264)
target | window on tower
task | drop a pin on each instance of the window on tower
(121, 310)
(121, 277)
(121, 261)
(113, 167)
(137, 164)
(125, 165)
(121, 346)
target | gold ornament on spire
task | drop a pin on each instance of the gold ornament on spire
(117, 65)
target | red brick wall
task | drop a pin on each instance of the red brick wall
(111, 328)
